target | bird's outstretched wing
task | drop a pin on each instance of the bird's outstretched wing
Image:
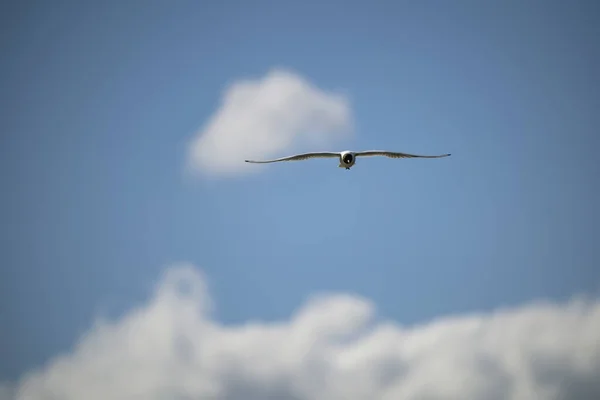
(298, 157)
(393, 154)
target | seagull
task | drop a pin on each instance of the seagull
(347, 158)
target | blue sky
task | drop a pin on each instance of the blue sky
(99, 101)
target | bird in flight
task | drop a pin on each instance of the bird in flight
(347, 158)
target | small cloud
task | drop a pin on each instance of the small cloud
(332, 348)
(267, 117)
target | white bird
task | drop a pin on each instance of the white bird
(347, 158)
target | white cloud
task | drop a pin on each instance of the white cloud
(6, 391)
(265, 118)
(332, 348)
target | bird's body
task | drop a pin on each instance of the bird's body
(347, 158)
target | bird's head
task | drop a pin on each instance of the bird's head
(347, 157)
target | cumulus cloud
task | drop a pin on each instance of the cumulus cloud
(334, 347)
(267, 117)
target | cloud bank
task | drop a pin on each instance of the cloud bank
(267, 117)
(334, 347)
